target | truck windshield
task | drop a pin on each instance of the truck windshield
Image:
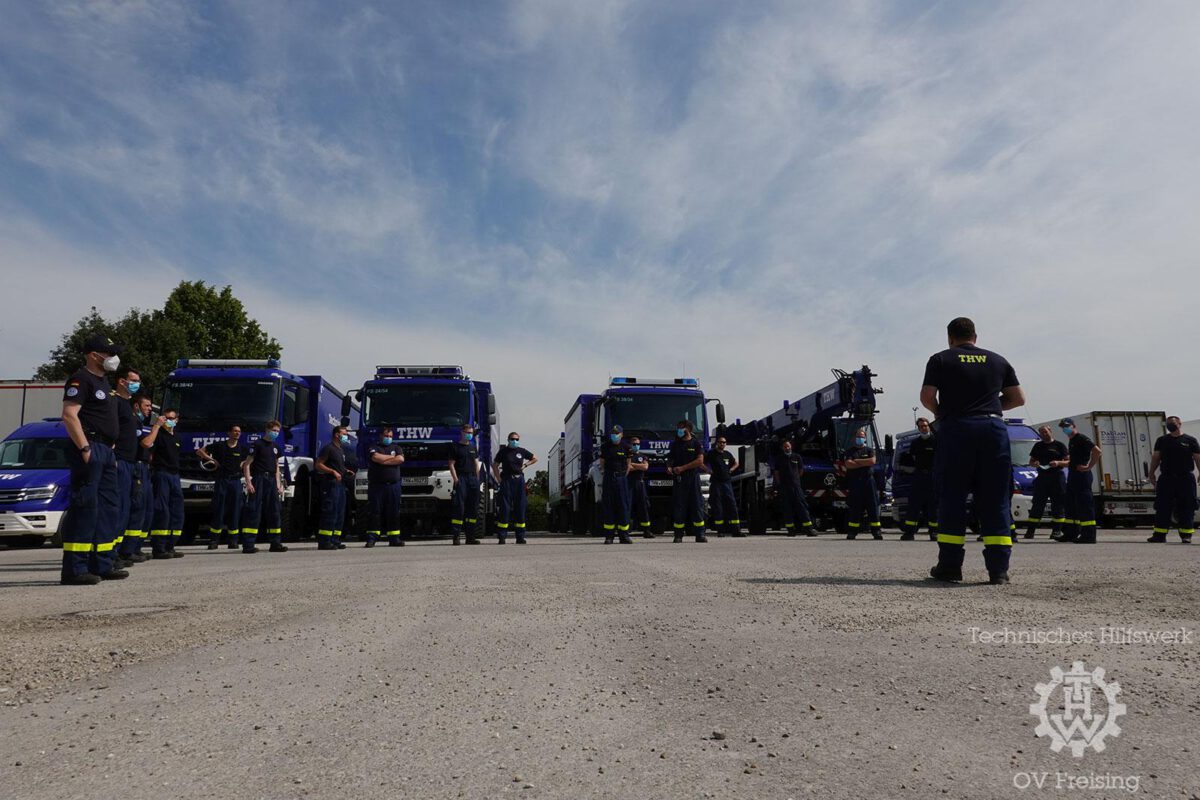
(655, 414)
(34, 454)
(848, 428)
(1020, 449)
(214, 405)
(416, 404)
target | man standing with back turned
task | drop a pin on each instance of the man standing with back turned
(968, 389)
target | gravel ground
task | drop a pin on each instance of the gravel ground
(757, 668)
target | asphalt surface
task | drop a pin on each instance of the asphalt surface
(757, 668)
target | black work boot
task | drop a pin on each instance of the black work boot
(608, 540)
(455, 540)
(999, 579)
(1159, 538)
(945, 575)
(114, 575)
(212, 545)
(624, 539)
(1029, 532)
(701, 538)
(276, 547)
(82, 579)
(472, 540)
(907, 536)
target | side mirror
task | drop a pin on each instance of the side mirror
(345, 420)
(491, 415)
(721, 413)
(346, 410)
(887, 443)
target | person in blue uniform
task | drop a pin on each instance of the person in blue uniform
(1049, 457)
(684, 462)
(168, 494)
(1080, 506)
(465, 469)
(331, 472)
(141, 511)
(90, 418)
(226, 458)
(968, 389)
(614, 489)
(922, 499)
(509, 470)
(1172, 473)
(788, 470)
(126, 450)
(722, 505)
(639, 500)
(384, 489)
(863, 494)
(261, 473)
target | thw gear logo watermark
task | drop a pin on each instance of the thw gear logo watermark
(1079, 725)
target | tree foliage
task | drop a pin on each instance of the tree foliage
(196, 321)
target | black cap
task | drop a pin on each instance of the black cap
(617, 429)
(99, 343)
(1062, 423)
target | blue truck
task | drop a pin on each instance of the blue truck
(427, 405)
(212, 394)
(821, 427)
(1021, 437)
(647, 407)
(35, 481)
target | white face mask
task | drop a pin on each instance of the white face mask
(111, 363)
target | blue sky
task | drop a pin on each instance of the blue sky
(553, 192)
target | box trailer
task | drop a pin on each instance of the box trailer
(1121, 482)
(23, 402)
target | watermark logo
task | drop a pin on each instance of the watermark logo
(1080, 724)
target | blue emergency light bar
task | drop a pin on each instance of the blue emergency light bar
(227, 362)
(654, 382)
(418, 370)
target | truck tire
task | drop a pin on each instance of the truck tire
(295, 512)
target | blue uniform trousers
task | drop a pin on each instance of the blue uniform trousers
(168, 511)
(615, 504)
(922, 504)
(333, 512)
(511, 513)
(91, 521)
(688, 504)
(1175, 498)
(136, 528)
(795, 508)
(226, 507)
(722, 507)
(262, 507)
(383, 501)
(124, 503)
(1080, 508)
(973, 458)
(863, 500)
(147, 505)
(1050, 485)
(639, 504)
(466, 507)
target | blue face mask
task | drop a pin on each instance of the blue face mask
(514, 442)
(467, 437)
(344, 439)
(1067, 431)
(680, 432)
(170, 423)
(271, 436)
(615, 438)
(860, 441)
(134, 386)
(387, 440)
(635, 448)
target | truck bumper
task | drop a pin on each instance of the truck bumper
(30, 523)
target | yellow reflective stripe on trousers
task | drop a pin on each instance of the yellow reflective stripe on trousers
(105, 547)
(77, 547)
(949, 538)
(250, 531)
(1002, 540)
(324, 533)
(160, 533)
(1087, 522)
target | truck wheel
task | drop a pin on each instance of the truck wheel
(295, 513)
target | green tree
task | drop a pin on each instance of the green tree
(537, 495)
(196, 321)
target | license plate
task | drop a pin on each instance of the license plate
(417, 481)
(661, 483)
(203, 487)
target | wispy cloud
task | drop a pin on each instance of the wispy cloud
(549, 192)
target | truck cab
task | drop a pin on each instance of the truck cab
(427, 405)
(646, 407)
(212, 394)
(35, 482)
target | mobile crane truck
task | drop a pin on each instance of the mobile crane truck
(821, 427)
